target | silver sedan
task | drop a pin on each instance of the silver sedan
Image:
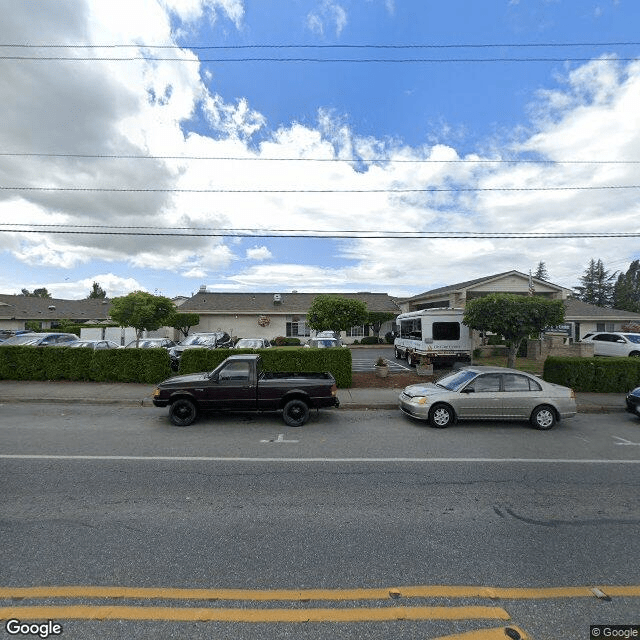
(488, 393)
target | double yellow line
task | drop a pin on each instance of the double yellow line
(282, 615)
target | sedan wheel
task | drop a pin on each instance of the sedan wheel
(543, 418)
(295, 413)
(441, 416)
(182, 412)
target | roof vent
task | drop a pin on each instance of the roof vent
(203, 288)
(52, 307)
(277, 297)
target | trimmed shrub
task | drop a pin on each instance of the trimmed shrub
(63, 363)
(336, 361)
(370, 340)
(594, 375)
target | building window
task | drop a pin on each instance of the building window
(358, 332)
(298, 329)
(605, 326)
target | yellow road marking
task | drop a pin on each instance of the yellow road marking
(304, 595)
(84, 612)
(485, 634)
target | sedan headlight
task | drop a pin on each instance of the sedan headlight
(420, 400)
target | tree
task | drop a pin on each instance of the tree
(184, 321)
(596, 285)
(37, 293)
(541, 271)
(376, 319)
(626, 291)
(336, 313)
(142, 311)
(513, 317)
(97, 292)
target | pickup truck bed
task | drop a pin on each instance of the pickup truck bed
(240, 384)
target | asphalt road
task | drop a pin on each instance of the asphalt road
(354, 500)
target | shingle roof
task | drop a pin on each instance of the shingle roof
(471, 283)
(576, 309)
(217, 302)
(31, 308)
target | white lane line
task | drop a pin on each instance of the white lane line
(315, 460)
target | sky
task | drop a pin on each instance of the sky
(390, 146)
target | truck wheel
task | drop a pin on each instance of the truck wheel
(410, 359)
(398, 354)
(295, 413)
(182, 412)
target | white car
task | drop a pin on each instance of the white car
(614, 343)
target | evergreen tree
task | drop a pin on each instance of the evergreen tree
(97, 291)
(596, 285)
(626, 291)
(541, 272)
(37, 293)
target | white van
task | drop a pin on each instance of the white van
(434, 333)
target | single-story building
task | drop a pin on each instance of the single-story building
(269, 315)
(580, 317)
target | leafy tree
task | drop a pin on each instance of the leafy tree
(541, 271)
(336, 313)
(596, 285)
(142, 311)
(626, 291)
(184, 321)
(377, 318)
(513, 317)
(96, 292)
(37, 293)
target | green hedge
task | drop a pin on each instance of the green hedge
(336, 361)
(596, 375)
(64, 363)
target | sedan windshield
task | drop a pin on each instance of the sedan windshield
(454, 381)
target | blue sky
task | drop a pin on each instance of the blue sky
(168, 139)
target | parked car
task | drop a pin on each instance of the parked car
(151, 343)
(488, 393)
(633, 401)
(240, 384)
(214, 340)
(252, 343)
(614, 343)
(323, 343)
(91, 344)
(39, 339)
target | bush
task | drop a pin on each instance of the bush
(336, 361)
(594, 375)
(370, 340)
(63, 363)
(281, 341)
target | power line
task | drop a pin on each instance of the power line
(18, 154)
(334, 191)
(481, 45)
(312, 60)
(203, 232)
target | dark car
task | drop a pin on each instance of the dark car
(633, 401)
(240, 384)
(39, 339)
(151, 343)
(213, 340)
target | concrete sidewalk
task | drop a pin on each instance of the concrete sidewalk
(141, 395)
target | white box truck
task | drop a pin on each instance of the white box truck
(437, 334)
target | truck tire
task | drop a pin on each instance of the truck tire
(183, 412)
(295, 413)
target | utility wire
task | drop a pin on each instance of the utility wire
(19, 154)
(435, 190)
(292, 233)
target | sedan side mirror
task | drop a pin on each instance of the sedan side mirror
(468, 390)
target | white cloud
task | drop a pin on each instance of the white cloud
(329, 13)
(259, 254)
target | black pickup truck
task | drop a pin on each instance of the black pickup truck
(240, 384)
